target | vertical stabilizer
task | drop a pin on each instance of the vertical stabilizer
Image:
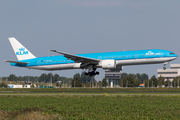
(20, 51)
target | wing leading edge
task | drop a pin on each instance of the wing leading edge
(78, 58)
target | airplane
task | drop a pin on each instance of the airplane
(89, 61)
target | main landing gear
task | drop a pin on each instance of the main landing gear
(164, 68)
(92, 72)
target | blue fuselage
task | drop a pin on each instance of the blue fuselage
(122, 58)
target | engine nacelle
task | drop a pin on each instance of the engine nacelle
(108, 64)
(77, 66)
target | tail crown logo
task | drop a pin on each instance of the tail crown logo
(21, 49)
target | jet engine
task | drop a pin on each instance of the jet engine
(108, 64)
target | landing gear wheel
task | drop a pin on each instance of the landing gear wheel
(97, 73)
(164, 68)
(86, 74)
(90, 74)
(93, 73)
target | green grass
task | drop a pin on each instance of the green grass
(90, 93)
(95, 107)
(93, 89)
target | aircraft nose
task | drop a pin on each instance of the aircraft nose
(176, 56)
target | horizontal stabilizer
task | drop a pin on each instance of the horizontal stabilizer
(16, 62)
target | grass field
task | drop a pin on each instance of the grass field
(91, 89)
(90, 103)
(90, 107)
(89, 93)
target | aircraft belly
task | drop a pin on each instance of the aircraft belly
(54, 67)
(143, 61)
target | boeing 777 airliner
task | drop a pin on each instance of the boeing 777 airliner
(90, 61)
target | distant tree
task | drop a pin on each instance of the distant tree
(131, 75)
(123, 75)
(123, 82)
(56, 78)
(83, 77)
(131, 81)
(100, 83)
(12, 77)
(137, 82)
(104, 82)
(146, 83)
(175, 81)
(4, 78)
(25, 78)
(20, 78)
(49, 77)
(3, 85)
(65, 79)
(154, 81)
(78, 75)
(167, 83)
(160, 81)
(143, 77)
(42, 78)
(138, 76)
(76, 81)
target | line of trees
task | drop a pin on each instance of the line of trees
(42, 78)
(161, 82)
(134, 80)
(80, 80)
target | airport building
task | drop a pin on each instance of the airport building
(171, 73)
(112, 74)
(113, 77)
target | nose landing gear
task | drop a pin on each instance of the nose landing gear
(164, 68)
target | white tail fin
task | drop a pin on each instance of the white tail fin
(20, 51)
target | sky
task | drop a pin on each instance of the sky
(88, 26)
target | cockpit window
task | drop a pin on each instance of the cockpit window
(171, 53)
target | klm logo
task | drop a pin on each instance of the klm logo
(150, 53)
(22, 52)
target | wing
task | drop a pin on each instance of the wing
(78, 58)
